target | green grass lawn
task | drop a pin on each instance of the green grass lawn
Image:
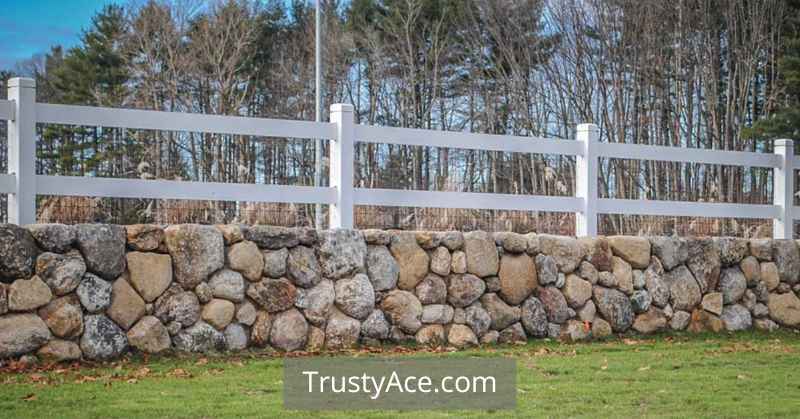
(741, 375)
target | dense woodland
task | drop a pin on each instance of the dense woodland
(711, 74)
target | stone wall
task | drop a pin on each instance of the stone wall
(99, 291)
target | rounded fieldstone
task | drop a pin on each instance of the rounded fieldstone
(672, 251)
(478, 319)
(228, 285)
(461, 336)
(316, 302)
(260, 329)
(441, 261)
(245, 257)
(57, 238)
(218, 313)
(62, 273)
(382, 269)
(341, 331)
(102, 339)
(598, 253)
(289, 331)
(517, 278)
(272, 237)
(303, 267)
(144, 237)
(512, 334)
(547, 270)
(732, 284)
(431, 335)
(28, 294)
(60, 350)
(149, 273)
(481, 254)
(273, 295)
(355, 296)
(342, 253)
(22, 333)
(246, 313)
(567, 251)
(149, 335)
(437, 313)
(501, 314)
(94, 293)
(203, 292)
(614, 306)
(787, 260)
(103, 248)
(640, 301)
(200, 337)
(736, 317)
(412, 260)
(463, 290)
(634, 250)
(679, 320)
(236, 337)
(179, 306)
(459, 262)
(683, 289)
(785, 309)
(731, 249)
(275, 262)
(197, 251)
(650, 321)
(554, 304)
(403, 310)
(534, 317)
(17, 253)
(64, 317)
(432, 290)
(576, 291)
(375, 326)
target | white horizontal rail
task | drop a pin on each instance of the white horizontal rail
(176, 121)
(687, 155)
(170, 189)
(686, 209)
(6, 110)
(8, 183)
(465, 200)
(464, 140)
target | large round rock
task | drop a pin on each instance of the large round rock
(196, 250)
(382, 269)
(463, 290)
(17, 252)
(534, 317)
(517, 278)
(103, 248)
(615, 307)
(412, 261)
(316, 302)
(355, 296)
(404, 310)
(289, 331)
(21, 333)
(102, 339)
(62, 273)
(303, 267)
(342, 253)
(481, 252)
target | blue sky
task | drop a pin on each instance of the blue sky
(31, 27)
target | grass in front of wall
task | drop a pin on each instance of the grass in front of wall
(744, 375)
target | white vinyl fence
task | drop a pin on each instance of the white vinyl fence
(22, 184)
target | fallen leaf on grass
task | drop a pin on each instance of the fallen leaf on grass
(179, 373)
(644, 368)
(29, 398)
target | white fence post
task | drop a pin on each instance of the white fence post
(783, 193)
(341, 165)
(22, 151)
(586, 180)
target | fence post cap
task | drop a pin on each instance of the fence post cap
(341, 107)
(588, 127)
(22, 82)
(784, 142)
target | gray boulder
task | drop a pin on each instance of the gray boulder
(102, 339)
(683, 289)
(228, 285)
(21, 334)
(342, 253)
(289, 331)
(103, 249)
(382, 269)
(179, 306)
(57, 238)
(463, 290)
(736, 317)
(94, 293)
(17, 253)
(554, 304)
(197, 251)
(732, 285)
(615, 307)
(303, 267)
(200, 337)
(787, 260)
(375, 326)
(534, 317)
(501, 314)
(672, 251)
(272, 237)
(316, 302)
(355, 296)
